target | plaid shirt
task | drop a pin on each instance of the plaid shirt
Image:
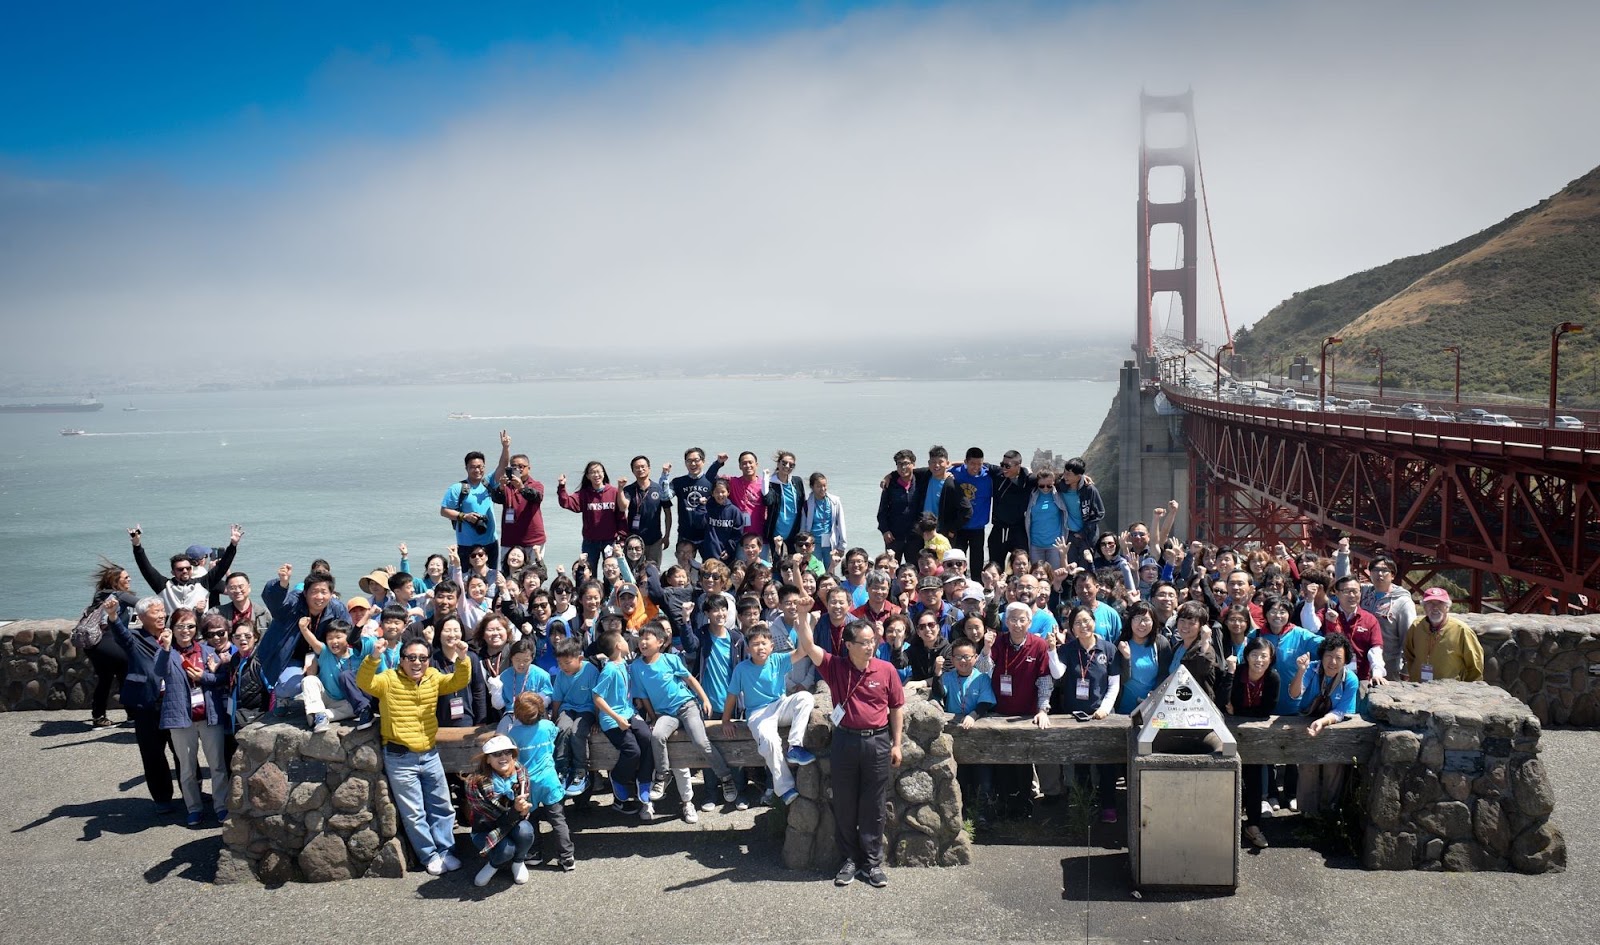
(492, 810)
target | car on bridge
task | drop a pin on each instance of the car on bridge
(1475, 415)
(1568, 423)
(1360, 405)
(1499, 420)
(1412, 411)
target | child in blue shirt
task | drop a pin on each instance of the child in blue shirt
(672, 698)
(520, 677)
(968, 695)
(758, 684)
(535, 738)
(625, 729)
(329, 688)
(573, 707)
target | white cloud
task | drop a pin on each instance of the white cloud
(894, 173)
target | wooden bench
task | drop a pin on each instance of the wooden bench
(458, 747)
(1280, 740)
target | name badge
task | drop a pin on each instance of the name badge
(1426, 673)
(511, 516)
(458, 707)
(837, 715)
(197, 699)
(1083, 689)
(1005, 685)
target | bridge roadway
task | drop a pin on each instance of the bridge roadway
(1517, 508)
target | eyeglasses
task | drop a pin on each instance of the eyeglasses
(1138, 534)
(519, 465)
(1382, 571)
(926, 623)
(183, 626)
(415, 658)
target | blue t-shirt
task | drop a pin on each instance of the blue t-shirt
(536, 749)
(1290, 644)
(1044, 525)
(858, 594)
(963, 696)
(1074, 510)
(980, 489)
(930, 505)
(661, 682)
(514, 684)
(576, 692)
(1144, 671)
(760, 686)
(1344, 694)
(464, 498)
(715, 666)
(329, 666)
(612, 686)
(1044, 623)
(1107, 622)
(822, 523)
(788, 508)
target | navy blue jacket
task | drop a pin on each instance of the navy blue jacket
(281, 644)
(175, 700)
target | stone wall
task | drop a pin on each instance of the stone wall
(924, 825)
(308, 807)
(1456, 783)
(41, 669)
(1550, 663)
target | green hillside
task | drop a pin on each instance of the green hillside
(1496, 293)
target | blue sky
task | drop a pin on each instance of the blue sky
(221, 88)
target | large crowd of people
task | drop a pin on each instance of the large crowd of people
(1004, 588)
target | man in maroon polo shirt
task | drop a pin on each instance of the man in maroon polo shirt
(867, 718)
(1361, 628)
(1022, 687)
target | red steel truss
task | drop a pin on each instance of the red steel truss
(1512, 515)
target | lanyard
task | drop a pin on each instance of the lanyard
(1010, 654)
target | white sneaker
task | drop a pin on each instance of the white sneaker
(485, 874)
(689, 815)
(647, 813)
(709, 806)
(1266, 808)
(451, 864)
(436, 866)
(1294, 803)
(519, 872)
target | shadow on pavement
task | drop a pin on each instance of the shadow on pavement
(195, 861)
(116, 815)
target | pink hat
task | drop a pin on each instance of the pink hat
(1436, 593)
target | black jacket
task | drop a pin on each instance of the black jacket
(1010, 498)
(896, 514)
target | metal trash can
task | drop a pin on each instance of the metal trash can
(1183, 791)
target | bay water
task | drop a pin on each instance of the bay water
(347, 473)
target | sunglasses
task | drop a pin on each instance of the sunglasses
(504, 753)
(414, 658)
(216, 633)
(927, 624)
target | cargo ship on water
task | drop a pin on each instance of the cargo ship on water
(85, 405)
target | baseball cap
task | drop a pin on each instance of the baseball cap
(197, 552)
(358, 601)
(1148, 563)
(951, 577)
(499, 743)
(628, 589)
(974, 592)
(1436, 593)
(955, 554)
(931, 582)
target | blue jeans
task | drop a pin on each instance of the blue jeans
(594, 551)
(416, 779)
(515, 846)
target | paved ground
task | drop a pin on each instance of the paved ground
(88, 861)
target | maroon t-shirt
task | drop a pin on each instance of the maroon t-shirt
(866, 696)
(1024, 664)
(1364, 633)
(522, 522)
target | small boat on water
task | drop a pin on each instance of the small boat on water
(460, 416)
(129, 409)
(69, 431)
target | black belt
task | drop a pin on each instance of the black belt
(865, 732)
(395, 748)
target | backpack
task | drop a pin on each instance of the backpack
(253, 692)
(90, 627)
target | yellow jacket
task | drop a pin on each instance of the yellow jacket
(1453, 652)
(408, 708)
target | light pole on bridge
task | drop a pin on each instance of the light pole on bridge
(1379, 353)
(1456, 349)
(1565, 328)
(1218, 363)
(1322, 376)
